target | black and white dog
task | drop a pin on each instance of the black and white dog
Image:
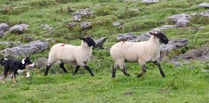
(14, 66)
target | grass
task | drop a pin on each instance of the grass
(192, 86)
(183, 84)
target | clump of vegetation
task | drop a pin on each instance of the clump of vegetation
(41, 3)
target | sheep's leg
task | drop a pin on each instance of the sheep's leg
(161, 71)
(89, 70)
(143, 71)
(114, 70)
(63, 67)
(124, 70)
(76, 69)
(47, 69)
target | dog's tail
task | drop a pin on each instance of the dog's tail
(2, 61)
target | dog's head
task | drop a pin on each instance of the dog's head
(28, 62)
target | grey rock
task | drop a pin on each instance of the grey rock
(174, 44)
(127, 37)
(144, 36)
(205, 13)
(181, 20)
(85, 25)
(182, 23)
(25, 50)
(150, 1)
(77, 18)
(41, 62)
(72, 24)
(46, 27)
(204, 5)
(164, 27)
(3, 28)
(177, 17)
(78, 15)
(200, 54)
(100, 42)
(19, 28)
(116, 23)
(130, 0)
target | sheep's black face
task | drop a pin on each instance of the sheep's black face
(163, 38)
(89, 41)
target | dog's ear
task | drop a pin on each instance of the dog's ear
(2, 61)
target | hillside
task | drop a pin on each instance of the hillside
(54, 21)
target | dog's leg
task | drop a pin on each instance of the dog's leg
(5, 74)
(14, 78)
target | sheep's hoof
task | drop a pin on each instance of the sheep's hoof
(127, 74)
(163, 76)
(139, 75)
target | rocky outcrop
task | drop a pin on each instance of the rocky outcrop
(200, 54)
(83, 13)
(25, 50)
(174, 44)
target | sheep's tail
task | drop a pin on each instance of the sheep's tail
(2, 61)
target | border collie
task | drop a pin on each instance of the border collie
(14, 66)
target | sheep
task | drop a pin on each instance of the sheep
(67, 53)
(141, 52)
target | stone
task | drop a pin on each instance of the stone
(100, 42)
(78, 15)
(116, 23)
(182, 23)
(3, 28)
(181, 20)
(204, 5)
(164, 27)
(20, 28)
(72, 24)
(205, 13)
(25, 50)
(41, 62)
(150, 1)
(85, 25)
(127, 37)
(46, 27)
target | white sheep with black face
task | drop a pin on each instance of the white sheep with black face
(67, 53)
(140, 52)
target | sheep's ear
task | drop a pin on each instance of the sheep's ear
(154, 32)
(81, 38)
(151, 33)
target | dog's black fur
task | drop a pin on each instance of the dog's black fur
(12, 65)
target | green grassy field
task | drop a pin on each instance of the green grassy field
(183, 84)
